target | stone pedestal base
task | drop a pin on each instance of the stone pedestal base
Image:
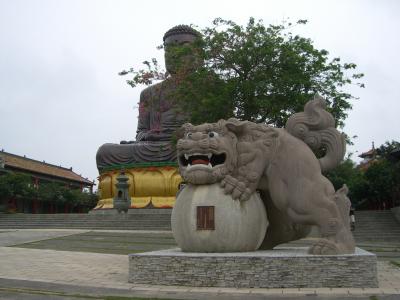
(279, 268)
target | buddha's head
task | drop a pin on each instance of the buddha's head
(182, 49)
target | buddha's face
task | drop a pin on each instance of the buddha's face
(180, 53)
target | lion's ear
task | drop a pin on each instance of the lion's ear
(187, 126)
(236, 126)
(180, 132)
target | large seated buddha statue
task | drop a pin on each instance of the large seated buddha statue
(150, 161)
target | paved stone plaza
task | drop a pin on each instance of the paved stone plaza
(26, 269)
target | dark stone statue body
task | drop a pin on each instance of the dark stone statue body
(157, 122)
(159, 116)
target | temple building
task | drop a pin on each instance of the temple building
(41, 173)
(373, 156)
(368, 157)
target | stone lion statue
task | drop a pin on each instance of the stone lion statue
(244, 158)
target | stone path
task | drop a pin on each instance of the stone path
(77, 268)
(10, 237)
(110, 241)
(110, 271)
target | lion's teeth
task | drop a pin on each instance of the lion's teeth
(186, 156)
(209, 165)
(209, 155)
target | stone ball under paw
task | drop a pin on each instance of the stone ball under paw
(204, 219)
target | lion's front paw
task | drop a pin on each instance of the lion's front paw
(236, 188)
(324, 247)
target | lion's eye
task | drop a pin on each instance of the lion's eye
(189, 135)
(212, 134)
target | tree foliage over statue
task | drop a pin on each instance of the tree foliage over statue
(259, 73)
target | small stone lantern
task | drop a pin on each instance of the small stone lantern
(122, 201)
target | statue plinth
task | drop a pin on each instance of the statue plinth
(278, 268)
(150, 185)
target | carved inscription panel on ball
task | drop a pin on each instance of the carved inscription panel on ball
(205, 218)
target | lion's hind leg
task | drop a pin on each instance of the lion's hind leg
(336, 234)
(314, 202)
(327, 210)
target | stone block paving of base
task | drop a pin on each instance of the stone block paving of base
(111, 271)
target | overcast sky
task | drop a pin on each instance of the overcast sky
(61, 97)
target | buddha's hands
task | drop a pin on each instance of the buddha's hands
(152, 136)
(148, 136)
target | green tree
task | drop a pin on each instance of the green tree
(16, 185)
(347, 173)
(258, 73)
(383, 176)
(75, 197)
(380, 180)
(60, 194)
(51, 192)
(387, 148)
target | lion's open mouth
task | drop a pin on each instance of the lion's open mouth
(200, 159)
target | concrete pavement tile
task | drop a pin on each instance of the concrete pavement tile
(204, 290)
(116, 286)
(291, 291)
(143, 288)
(143, 285)
(69, 280)
(177, 289)
(374, 291)
(323, 291)
(356, 291)
(308, 290)
(267, 291)
(390, 291)
(236, 291)
(340, 291)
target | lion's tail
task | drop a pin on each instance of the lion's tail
(316, 127)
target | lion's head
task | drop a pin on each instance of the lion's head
(206, 153)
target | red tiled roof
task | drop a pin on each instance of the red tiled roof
(31, 165)
(369, 153)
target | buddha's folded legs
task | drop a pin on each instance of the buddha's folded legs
(110, 155)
